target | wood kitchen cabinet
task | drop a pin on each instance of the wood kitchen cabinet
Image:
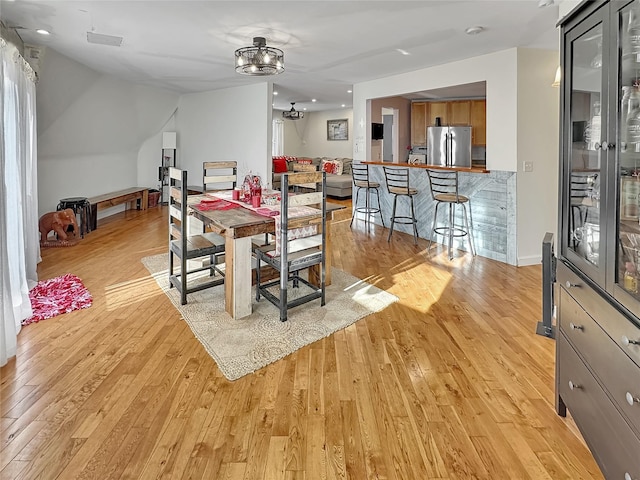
(438, 109)
(460, 112)
(454, 112)
(478, 114)
(419, 123)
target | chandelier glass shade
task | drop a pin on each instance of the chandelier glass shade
(292, 114)
(259, 59)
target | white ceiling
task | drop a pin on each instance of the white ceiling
(188, 45)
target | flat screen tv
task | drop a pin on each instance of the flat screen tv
(377, 130)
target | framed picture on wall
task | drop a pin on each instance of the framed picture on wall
(338, 129)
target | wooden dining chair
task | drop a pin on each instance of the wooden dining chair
(300, 244)
(219, 176)
(186, 247)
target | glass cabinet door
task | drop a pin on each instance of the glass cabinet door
(585, 149)
(628, 164)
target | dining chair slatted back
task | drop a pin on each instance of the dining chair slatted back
(300, 244)
(581, 190)
(445, 190)
(362, 181)
(200, 249)
(219, 176)
(397, 180)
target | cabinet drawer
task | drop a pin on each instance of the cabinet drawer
(614, 446)
(618, 374)
(617, 326)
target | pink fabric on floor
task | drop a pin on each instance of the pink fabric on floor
(52, 297)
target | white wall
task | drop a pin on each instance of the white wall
(522, 120)
(538, 143)
(498, 70)
(227, 124)
(307, 137)
(90, 128)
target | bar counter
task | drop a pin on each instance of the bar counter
(492, 197)
(435, 167)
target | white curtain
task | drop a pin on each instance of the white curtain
(19, 247)
(277, 147)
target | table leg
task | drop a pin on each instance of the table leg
(237, 280)
(314, 271)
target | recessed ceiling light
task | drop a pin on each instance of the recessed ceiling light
(403, 52)
(305, 108)
(42, 31)
(474, 30)
(349, 91)
(343, 105)
(275, 93)
(313, 100)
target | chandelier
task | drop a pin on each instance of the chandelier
(259, 59)
(292, 114)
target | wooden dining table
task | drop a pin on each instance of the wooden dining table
(238, 226)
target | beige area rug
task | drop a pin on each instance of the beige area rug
(243, 346)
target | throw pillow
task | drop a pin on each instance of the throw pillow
(332, 166)
(279, 165)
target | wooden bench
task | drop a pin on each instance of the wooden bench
(139, 195)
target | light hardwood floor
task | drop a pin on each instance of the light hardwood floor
(451, 382)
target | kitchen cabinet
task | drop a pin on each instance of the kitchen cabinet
(478, 115)
(459, 112)
(438, 109)
(455, 112)
(419, 123)
(598, 344)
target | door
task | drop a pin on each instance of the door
(460, 112)
(387, 136)
(438, 109)
(418, 124)
(460, 146)
(438, 150)
(585, 148)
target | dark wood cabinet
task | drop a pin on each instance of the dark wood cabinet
(598, 268)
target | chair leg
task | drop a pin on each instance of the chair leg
(451, 220)
(379, 207)
(183, 281)
(355, 206)
(393, 217)
(469, 224)
(284, 279)
(433, 225)
(170, 267)
(257, 278)
(415, 222)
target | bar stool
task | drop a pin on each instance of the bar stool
(397, 180)
(81, 207)
(444, 190)
(360, 174)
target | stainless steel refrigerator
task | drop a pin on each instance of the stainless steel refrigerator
(449, 146)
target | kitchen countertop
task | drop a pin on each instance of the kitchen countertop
(422, 165)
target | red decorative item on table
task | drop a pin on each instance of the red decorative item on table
(251, 187)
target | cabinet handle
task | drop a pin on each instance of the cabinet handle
(631, 399)
(626, 341)
(574, 386)
(568, 284)
(576, 327)
(608, 146)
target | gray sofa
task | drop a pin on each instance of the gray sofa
(339, 186)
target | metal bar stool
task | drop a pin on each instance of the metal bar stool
(444, 190)
(398, 185)
(82, 208)
(361, 181)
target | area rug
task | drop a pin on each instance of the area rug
(52, 297)
(242, 346)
